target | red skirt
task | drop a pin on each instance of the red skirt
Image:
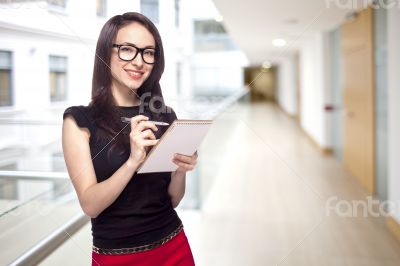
(175, 252)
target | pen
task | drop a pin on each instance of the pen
(128, 120)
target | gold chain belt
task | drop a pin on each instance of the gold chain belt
(121, 251)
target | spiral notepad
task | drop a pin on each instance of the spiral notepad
(183, 136)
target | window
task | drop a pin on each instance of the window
(210, 35)
(58, 78)
(149, 8)
(101, 8)
(208, 27)
(177, 12)
(5, 78)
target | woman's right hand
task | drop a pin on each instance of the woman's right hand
(141, 137)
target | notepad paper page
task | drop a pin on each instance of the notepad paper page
(183, 138)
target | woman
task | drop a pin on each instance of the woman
(133, 216)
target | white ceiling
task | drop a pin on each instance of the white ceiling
(253, 24)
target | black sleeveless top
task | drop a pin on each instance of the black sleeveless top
(143, 212)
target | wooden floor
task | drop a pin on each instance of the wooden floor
(269, 200)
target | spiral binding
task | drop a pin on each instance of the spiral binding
(193, 122)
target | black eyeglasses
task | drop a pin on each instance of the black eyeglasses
(128, 52)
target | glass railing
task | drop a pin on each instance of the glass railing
(37, 199)
(36, 195)
(32, 206)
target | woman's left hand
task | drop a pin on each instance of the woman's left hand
(185, 163)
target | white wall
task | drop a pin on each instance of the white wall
(31, 67)
(31, 86)
(177, 48)
(287, 85)
(76, 21)
(64, 34)
(314, 88)
(394, 107)
(118, 7)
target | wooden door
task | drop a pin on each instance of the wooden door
(358, 98)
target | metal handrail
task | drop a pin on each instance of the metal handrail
(33, 175)
(30, 122)
(41, 250)
(54, 240)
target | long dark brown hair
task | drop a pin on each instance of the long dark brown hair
(104, 110)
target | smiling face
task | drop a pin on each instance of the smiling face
(130, 75)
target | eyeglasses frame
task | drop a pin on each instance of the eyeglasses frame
(138, 50)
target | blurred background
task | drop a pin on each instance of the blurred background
(300, 166)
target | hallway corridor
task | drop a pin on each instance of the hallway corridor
(268, 202)
(271, 201)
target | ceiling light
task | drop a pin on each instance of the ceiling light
(279, 42)
(266, 65)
